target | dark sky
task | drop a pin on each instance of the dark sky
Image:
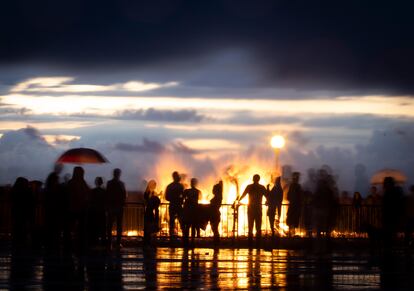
(319, 45)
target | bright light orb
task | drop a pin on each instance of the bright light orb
(277, 142)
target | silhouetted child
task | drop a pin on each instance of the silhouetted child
(151, 215)
(215, 204)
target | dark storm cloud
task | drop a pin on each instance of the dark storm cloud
(320, 45)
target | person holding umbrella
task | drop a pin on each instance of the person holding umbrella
(78, 192)
(116, 196)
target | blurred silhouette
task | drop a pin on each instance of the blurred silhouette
(174, 194)
(116, 196)
(356, 206)
(323, 203)
(96, 213)
(79, 192)
(22, 210)
(256, 192)
(54, 202)
(190, 214)
(295, 198)
(151, 214)
(215, 204)
(409, 217)
(392, 209)
(38, 224)
(274, 202)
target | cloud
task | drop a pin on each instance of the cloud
(136, 86)
(25, 152)
(153, 114)
(357, 121)
(151, 146)
(335, 46)
(57, 84)
(147, 146)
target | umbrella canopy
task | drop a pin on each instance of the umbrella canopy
(82, 156)
(378, 177)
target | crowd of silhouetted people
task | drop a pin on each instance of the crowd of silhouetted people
(77, 216)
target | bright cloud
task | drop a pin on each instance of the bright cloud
(69, 104)
(136, 86)
(65, 85)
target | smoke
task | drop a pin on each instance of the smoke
(25, 152)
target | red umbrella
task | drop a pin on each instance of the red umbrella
(82, 156)
(378, 177)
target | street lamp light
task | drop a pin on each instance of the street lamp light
(277, 142)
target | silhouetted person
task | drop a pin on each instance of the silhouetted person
(374, 198)
(356, 205)
(54, 202)
(190, 214)
(116, 196)
(274, 202)
(323, 203)
(96, 212)
(357, 200)
(215, 204)
(174, 194)
(256, 192)
(409, 217)
(391, 211)
(22, 210)
(295, 198)
(78, 192)
(151, 214)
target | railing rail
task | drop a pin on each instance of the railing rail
(348, 221)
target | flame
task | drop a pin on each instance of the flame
(235, 179)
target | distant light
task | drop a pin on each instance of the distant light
(277, 142)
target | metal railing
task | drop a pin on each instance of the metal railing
(348, 221)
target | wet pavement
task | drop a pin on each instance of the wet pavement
(203, 268)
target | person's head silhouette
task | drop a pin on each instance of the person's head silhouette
(194, 182)
(78, 173)
(176, 176)
(256, 178)
(98, 182)
(389, 183)
(117, 173)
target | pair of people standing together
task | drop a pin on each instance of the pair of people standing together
(184, 207)
(274, 198)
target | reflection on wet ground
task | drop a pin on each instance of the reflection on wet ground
(133, 268)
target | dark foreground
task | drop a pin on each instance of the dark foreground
(204, 268)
